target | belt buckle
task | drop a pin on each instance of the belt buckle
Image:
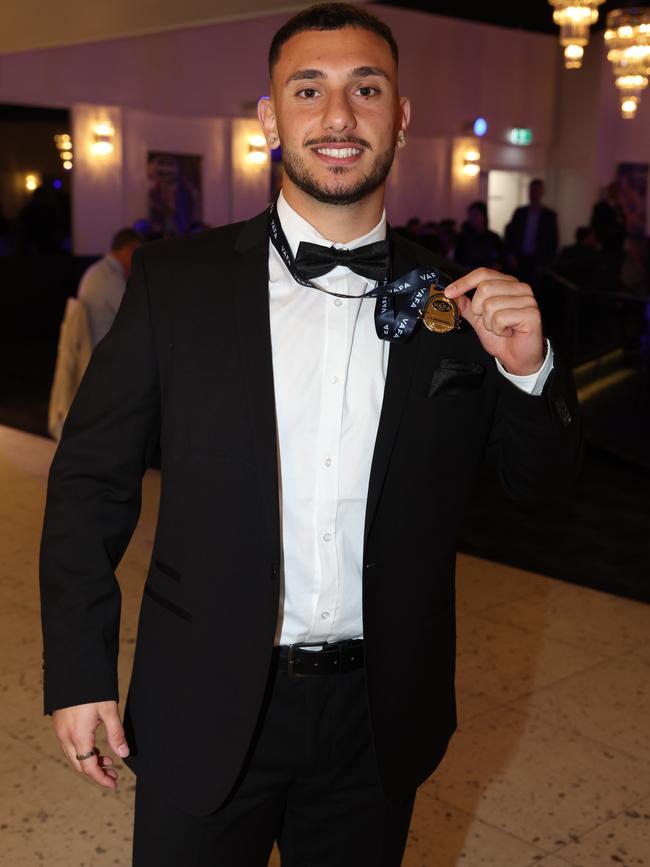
(291, 655)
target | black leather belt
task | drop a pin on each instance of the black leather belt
(338, 658)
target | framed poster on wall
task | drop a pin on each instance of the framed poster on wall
(175, 196)
(632, 182)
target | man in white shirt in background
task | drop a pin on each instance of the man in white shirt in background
(102, 286)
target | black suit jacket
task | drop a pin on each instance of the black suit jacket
(547, 234)
(189, 356)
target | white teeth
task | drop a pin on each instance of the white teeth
(339, 153)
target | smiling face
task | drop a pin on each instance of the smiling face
(336, 110)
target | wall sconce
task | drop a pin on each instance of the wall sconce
(102, 144)
(471, 162)
(257, 153)
(32, 181)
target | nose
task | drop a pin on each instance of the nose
(338, 115)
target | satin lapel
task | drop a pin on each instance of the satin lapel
(401, 363)
(250, 281)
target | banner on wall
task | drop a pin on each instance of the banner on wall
(632, 182)
(175, 193)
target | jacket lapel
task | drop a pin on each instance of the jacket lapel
(401, 364)
(249, 277)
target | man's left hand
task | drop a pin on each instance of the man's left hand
(505, 316)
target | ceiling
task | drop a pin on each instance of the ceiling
(30, 24)
(534, 15)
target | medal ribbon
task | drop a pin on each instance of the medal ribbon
(399, 302)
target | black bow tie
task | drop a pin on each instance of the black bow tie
(371, 261)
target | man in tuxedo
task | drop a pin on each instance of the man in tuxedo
(532, 235)
(294, 669)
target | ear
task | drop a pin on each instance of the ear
(404, 120)
(266, 117)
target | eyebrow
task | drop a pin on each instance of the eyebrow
(359, 72)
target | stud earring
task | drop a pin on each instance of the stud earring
(401, 137)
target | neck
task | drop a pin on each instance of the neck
(115, 255)
(337, 223)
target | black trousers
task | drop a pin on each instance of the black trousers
(310, 783)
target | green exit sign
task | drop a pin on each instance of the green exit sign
(520, 136)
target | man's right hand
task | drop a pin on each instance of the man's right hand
(75, 728)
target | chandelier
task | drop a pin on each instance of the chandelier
(628, 42)
(574, 18)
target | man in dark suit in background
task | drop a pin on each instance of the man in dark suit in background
(294, 669)
(608, 224)
(532, 235)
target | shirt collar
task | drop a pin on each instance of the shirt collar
(297, 229)
(115, 265)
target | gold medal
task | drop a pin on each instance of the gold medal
(440, 313)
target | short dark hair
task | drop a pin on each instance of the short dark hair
(481, 207)
(330, 16)
(582, 233)
(536, 182)
(124, 238)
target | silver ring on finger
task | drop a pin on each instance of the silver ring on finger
(83, 756)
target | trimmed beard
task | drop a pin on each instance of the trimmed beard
(341, 194)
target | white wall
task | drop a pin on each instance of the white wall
(453, 71)
(418, 184)
(592, 137)
(111, 191)
(97, 182)
(208, 138)
(251, 184)
(619, 140)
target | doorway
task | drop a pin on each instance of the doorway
(505, 192)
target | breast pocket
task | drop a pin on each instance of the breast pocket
(455, 377)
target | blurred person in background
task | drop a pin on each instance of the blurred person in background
(532, 235)
(582, 262)
(102, 285)
(478, 246)
(40, 231)
(448, 236)
(429, 238)
(608, 225)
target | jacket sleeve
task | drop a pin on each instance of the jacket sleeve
(536, 443)
(93, 504)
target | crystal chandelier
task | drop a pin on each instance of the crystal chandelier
(628, 42)
(574, 18)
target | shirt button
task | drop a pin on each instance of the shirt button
(328, 462)
(327, 537)
(325, 615)
(337, 302)
(334, 379)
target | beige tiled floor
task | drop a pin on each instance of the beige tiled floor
(550, 766)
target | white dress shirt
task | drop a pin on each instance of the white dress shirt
(101, 290)
(329, 369)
